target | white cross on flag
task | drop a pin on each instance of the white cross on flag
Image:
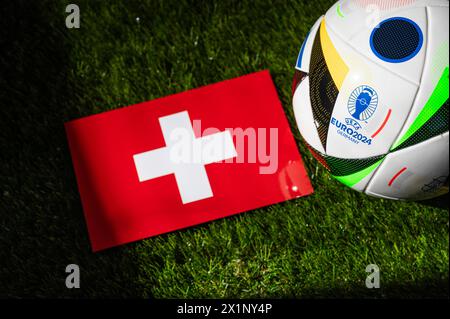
(185, 159)
(191, 179)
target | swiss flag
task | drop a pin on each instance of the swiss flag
(184, 159)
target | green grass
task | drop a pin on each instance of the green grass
(317, 246)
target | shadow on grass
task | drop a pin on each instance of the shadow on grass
(42, 228)
(432, 288)
(438, 202)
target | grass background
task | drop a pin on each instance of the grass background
(311, 247)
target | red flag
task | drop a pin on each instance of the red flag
(184, 159)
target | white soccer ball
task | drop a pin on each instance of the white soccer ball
(370, 96)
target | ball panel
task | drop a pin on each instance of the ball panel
(344, 167)
(304, 116)
(304, 55)
(350, 16)
(410, 67)
(346, 17)
(396, 40)
(384, 5)
(435, 64)
(437, 124)
(323, 88)
(411, 173)
(337, 67)
(354, 173)
(359, 180)
(369, 111)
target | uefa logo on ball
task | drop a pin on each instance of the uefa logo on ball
(362, 103)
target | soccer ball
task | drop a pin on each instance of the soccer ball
(370, 96)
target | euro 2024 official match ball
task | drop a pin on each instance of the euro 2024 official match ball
(370, 96)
